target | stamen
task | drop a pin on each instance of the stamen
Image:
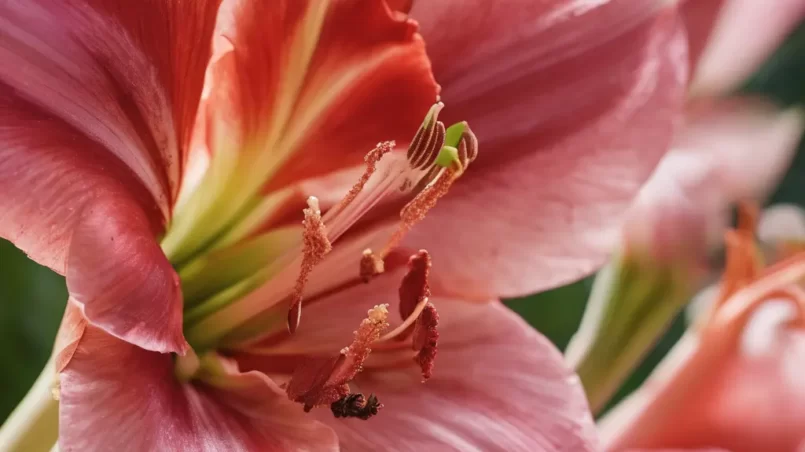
(420, 316)
(353, 356)
(316, 245)
(425, 341)
(324, 381)
(414, 293)
(404, 328)
(356, 405)
(371, 266)
(399, 174)
(460, 149)
(414, 288)
(428, 140)
(371, 160)
(467, 146)
(417, 208)
(743, 255)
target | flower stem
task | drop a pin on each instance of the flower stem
(630, 308)
(34, 425)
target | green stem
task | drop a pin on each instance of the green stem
(630, 309)
(34, 425)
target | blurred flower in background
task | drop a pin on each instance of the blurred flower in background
(731, 148)
(735, 379)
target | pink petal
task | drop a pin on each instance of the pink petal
(74, 207)
(497, 385)
(48, 174)
(563, 149)
(781, 223)
(678, 450)
(700, 17)
(714, 162)
(118, 274)
(735, 382)
(752, 401)
(127, 74)
(732, 131)
(72, 328)
(116, 396)
(99, 99)
(744, 36)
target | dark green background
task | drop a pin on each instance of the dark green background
(32, 298)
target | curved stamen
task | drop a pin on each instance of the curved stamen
(316, 246)
(409, 321)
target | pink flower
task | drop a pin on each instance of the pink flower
(728, 149)
(735, 381)
(714, 161)
(172, 206)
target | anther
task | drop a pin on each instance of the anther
(467, 146)
(414, 289)
(371, 266)
(428, 140)
(414, 293)
(426, 337)
(316, 245)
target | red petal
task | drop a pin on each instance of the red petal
(127, 74)
(365, 79)
(563, 148)
(116, 396)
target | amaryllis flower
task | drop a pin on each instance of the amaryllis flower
(735, 381)
(678, 217)
(674, 226)
(196, 202)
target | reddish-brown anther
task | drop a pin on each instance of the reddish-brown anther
(414, 286)
(426, 338)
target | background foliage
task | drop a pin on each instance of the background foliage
(32, 298)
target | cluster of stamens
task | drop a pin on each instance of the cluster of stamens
(436, 157)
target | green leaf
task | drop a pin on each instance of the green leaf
(32, 300)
